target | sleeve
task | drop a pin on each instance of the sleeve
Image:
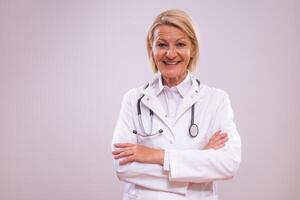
(209, 165)
(150, 176)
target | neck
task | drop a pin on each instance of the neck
(171, 82)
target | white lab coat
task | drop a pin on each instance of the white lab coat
(191, 171)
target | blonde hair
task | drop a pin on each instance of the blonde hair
(181, 20)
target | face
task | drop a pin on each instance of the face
(172, 51)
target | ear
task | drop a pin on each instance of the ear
(193, 52)
(149, 49)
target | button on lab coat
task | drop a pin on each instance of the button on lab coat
(189, 172)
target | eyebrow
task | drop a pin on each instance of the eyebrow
(182, 38)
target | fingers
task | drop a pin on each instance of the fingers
(221, 141)
(124, 150)
(126, 160)
(123, 145)
(123, 154)
(216, 134)
(221, 136)
(118, 151)
(217, 141)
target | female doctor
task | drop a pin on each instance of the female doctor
(175, 136)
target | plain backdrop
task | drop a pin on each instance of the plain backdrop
(65, 65)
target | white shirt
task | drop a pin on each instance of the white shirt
(170, 98)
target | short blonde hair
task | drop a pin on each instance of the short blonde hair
(181, 20)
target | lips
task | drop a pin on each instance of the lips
(171, 62)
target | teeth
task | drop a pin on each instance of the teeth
(171, 63)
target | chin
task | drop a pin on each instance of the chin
(171, 73)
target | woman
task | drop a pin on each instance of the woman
(175, 136)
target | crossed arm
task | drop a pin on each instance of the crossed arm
(216, 161)
(128, 152)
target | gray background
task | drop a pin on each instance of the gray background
(65, 65)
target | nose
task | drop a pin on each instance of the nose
(171, 53)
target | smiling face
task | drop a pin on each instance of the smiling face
(172, 51)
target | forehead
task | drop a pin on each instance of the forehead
(168, 32)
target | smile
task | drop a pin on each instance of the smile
(171, 63)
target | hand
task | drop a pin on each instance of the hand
(138, 153)
(217, 141)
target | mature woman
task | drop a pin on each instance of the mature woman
(175, 136)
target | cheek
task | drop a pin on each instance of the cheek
(186, 55)
(157, 55)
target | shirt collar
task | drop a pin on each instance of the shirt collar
(182, 87)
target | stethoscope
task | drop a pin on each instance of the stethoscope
(193, 128)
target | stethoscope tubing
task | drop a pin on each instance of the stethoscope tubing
(193, 128)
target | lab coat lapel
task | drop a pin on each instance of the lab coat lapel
(150, 101)
(193, 96)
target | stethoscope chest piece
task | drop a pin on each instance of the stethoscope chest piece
(193, 130)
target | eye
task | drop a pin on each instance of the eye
(161, 45)
(180, 44)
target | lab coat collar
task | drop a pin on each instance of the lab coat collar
(182, 88)
(196, 94)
